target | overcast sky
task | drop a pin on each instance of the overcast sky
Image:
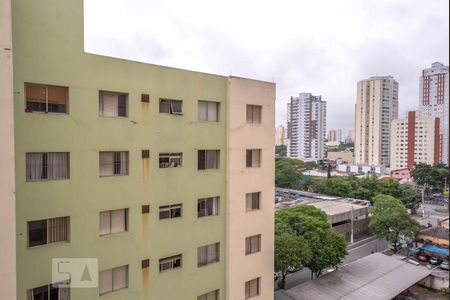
(322, 47)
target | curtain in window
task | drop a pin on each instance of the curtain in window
(57, 95)
(256, 117)
(253, 287)
(57, 165)
(255, 243)
(213, 253)
(64, 293)
(212, 111)
(36, 93)
(256, 157)
(105, 281)
(118, 220)
(212, 159)
(248, 201)
(202, 255)
(120, 277)
(202, 110)
(57, 229)
(249, 114)
(35, 166)
(109, 105)
(106, 163)
(123, 163)
(105, 222)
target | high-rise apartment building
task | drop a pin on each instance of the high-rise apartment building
(306, 127)
(165, 176)
(433, 102)
(414, 140)
(332, 136)
(376, 106)
(280, 135)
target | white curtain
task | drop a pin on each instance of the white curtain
(202, 110)
(35, 166)
(248, 201)
(123, 163)
(58, 229)
(215, 205)
(202, 255)
(105, 281)
(105, 222)
(106, 163)
(120, 277)
(57, 165)
(212, 111)
(109, 105)
(118, 220)
(213, 254)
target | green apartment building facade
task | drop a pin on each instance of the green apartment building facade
(138, 166)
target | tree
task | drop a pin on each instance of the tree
(310, 223)
(328, 250)
(410, 198)
(288, 172)
(390, 220)
(432, 175)
(280, 150)
(290, 251)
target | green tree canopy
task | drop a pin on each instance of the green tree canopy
(288, 172)
(390, 220)
(432, 175)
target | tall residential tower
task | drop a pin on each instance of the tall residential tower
(165, 176)
(376, 106)
(433, 102)
(306, 127)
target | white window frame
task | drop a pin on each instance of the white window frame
(174, 160)
(171, 210)
(215, 202)
(168, 263)
(45, 167)
(101, 104)
(172, 108)
(209, 112)
(252, 246)
(63, 290)
(116, 163)
(109, 214)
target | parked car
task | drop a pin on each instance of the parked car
(276, 276)
(444, 265)
(435, 261)
(423, 257)
(292, 269)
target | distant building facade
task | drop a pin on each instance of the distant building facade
(414, 140)
(376, 107)
(306, 127)
(433, 102)
(332, 135)
(280, 135)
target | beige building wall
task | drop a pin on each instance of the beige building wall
(346, 156)
(7, 199)
(423, 142)
(242, 180)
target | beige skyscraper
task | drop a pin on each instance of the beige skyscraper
(376, 106)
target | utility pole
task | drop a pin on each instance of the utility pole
(423, 200)
(351, 228)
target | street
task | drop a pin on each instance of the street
(431, 215)
(353, 254)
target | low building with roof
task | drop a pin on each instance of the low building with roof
(374, 277)
(435, 235)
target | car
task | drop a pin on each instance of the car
(423, 257)
(435, 261)
(292, 269)
(444, 265)
(276, 276)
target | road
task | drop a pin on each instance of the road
(353, 254)
(431, 215)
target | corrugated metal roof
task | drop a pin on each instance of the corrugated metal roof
(374, 277)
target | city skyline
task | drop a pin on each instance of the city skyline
(324, 60)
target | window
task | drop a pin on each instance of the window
(170, 160)
(168, 263)
(113, 221)
(252, 244)
(252, 201)
(208, 254)
(252, 288)
(169, 106)
(48, 231)
(145, 153)
(46, 98)
(208, 111)
(253, 158)
(113, 279)
(208, 159)
(113, 104)
(208, 207)
(47, 166)
(145, 98)
(214, 295)
(254, 114)
(113, 163)
(170, 211)
(54, 291)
